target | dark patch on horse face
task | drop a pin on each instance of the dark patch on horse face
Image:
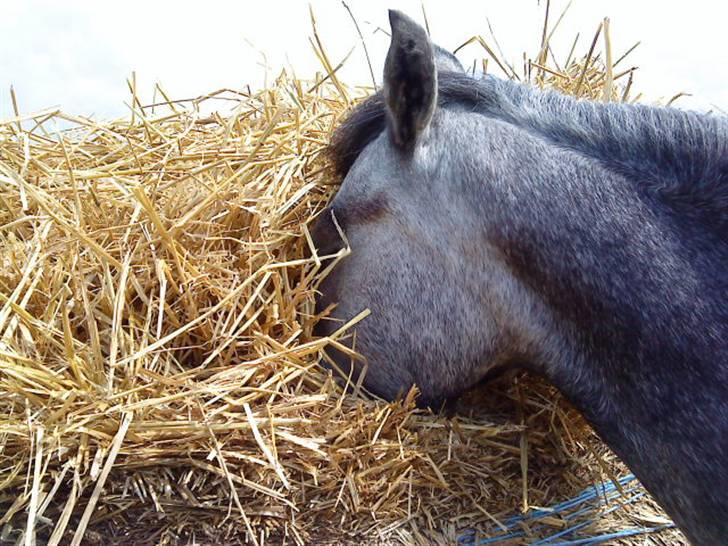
(370, 210)
(325, 234)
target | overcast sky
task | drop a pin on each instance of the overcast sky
(77, 54)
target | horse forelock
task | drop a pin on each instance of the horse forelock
(361, 126)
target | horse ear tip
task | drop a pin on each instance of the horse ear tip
(402, 24)
(395, 16)
(398, 20)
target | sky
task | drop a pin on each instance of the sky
(78, 54)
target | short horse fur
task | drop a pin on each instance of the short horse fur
(494, 226)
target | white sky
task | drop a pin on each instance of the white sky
(77, 54)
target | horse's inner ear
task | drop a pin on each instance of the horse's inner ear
(410, 81)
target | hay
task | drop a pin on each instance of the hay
(159, 383)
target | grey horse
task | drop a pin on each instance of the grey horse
(496, 226)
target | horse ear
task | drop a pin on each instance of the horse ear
(410, 81)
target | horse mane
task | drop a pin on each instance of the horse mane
(680, 156)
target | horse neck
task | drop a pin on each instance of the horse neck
(638, 343)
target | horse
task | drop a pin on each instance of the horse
(494, 226)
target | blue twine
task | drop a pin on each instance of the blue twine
(611, 536)
(607, 490)
(594, 497)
